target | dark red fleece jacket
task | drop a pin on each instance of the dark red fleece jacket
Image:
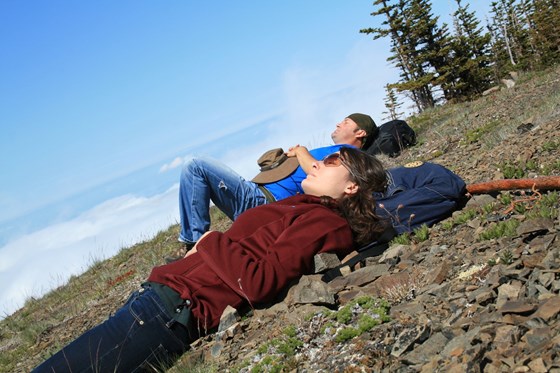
(265, 249)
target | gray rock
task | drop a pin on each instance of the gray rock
(229, 317)
(491, 90)
(409, 337)
(536, 337)
(360, 277)
(393, 252)
(509, 83)
(480, 200)
(427, 350)
(325, 261)
(535, 225)
(310, 290)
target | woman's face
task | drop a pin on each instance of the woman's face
(329, 178)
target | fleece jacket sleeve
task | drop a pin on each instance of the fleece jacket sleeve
(259, 273)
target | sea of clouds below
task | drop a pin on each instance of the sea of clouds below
(34, 264)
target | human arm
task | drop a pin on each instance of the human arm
(304, 158)
(257, 271)
(194, 248)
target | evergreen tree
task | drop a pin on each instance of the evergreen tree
(395, 28)
(525, 34)
(432, 44)
(469, 72)
(501, 33)
(392, 104)
(418, 46)
(500, 55)
(545, 30)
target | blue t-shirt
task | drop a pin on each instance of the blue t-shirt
(291, 185)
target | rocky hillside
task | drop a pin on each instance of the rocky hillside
(478, 292)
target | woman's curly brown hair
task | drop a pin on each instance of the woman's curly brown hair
(359, 208)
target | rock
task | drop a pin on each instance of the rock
(485, 297)
(396, 286)
(521, 307)
(459, 342)
(407, 311)
(535, 226)
(310, 290)
(228, 318)
(438, 274)
(325, 261)
(409, 337)
(549, 309)
(491, 90)
(509, 83)
(537, 366)
(360, 277)
(536, 337)
(524, 128)
(393, 252)
(424, 352)
(478, 201)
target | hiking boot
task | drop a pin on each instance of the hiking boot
(179, 253)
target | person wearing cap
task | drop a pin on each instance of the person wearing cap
(204, 179)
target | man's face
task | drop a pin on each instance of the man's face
(347, 132)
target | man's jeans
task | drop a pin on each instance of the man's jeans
(204, 180)
(141, 334)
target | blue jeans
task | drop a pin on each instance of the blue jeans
(140, 335)
(204, 180)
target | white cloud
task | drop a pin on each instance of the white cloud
(43, 260)
(316, 98)
(177, 162)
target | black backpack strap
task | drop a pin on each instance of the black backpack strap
(372, 249)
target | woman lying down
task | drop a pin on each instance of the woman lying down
(265, 249)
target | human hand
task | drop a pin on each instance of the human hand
(194, 248)
(293, 151)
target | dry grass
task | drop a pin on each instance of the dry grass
(441, 128)
(404, 289)
(42, 326)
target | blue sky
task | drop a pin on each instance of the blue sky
(101, 101)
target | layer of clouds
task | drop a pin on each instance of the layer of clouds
(34, 264)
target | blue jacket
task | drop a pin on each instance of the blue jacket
(419, 193)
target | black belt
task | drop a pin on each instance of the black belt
(267, 194)
(178, 308)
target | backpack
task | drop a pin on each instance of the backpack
(393, 136)
(420, 193)
(417, 193)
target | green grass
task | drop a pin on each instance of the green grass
(401, 239)
(506, 257)
(512, 171)
(499, 230)
(422, 233)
